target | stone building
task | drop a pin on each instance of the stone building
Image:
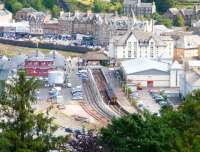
(51, 27)
(138, 7)
(101, 26)
(82, 23)
(24, 14)
(36, 19)
(189, 14)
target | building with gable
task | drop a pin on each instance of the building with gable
(5, 15)
(139, 8)
(140, 44)
(151, 73)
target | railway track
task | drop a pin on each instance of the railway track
(94, 103)
(102, 85)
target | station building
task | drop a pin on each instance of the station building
(151, 73)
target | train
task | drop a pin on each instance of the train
(111, 95)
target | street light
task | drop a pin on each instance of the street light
(37, 44)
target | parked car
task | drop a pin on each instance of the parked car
(163, 103)
(159, 99)
(68, 130)
(69, 85)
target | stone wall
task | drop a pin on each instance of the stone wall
(49, 46)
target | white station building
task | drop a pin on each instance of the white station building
(151, 73)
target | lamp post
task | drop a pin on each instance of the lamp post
(37, 44)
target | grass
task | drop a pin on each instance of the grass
(11, 50)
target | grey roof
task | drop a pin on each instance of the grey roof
(148, 5)
(28, 10)
(187, 11)
(37, 17)
(4, 12)
(152, 72)
(4, 74)
(35, 58)
(4, 63)
(142, 64)
(18, 60)
(95, 56)
(141, 36)
(174, 11)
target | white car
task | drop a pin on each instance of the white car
(69, 85)
(77, 98)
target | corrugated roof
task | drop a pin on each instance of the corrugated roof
(142, 64)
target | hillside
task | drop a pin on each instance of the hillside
(54, 6)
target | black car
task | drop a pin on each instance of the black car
(68, 130)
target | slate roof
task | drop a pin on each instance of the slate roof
(174, 11)
(95, 56)
(28, 10)
(141, 36)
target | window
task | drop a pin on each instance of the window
(129, 54)
(129, 46)
(151, 54)
(135, 45)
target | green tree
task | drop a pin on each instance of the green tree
(13, 5)
(98, 6)
(179, 21)
(38, 5)
(56, 11)
(22, 130)
(134, 133)
(49, 3)
(163, 5)
(166, 21)
(174, 131)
